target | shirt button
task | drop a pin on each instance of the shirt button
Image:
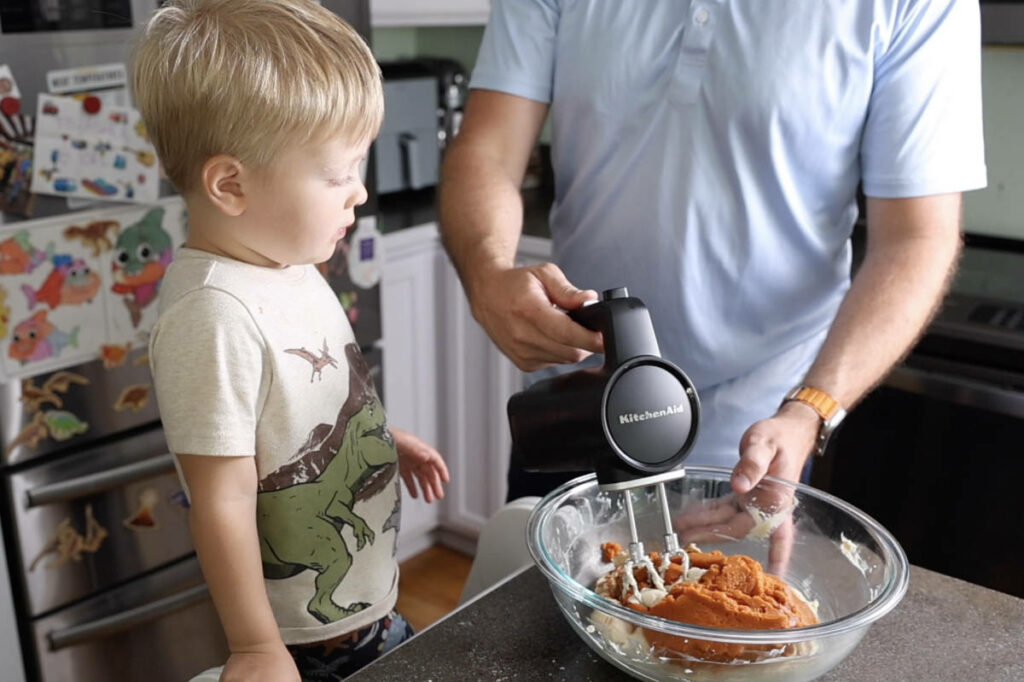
(701, 16)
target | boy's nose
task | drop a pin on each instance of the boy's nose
(360, 196)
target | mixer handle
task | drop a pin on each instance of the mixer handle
(624, 322)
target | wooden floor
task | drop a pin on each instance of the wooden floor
(430, 585)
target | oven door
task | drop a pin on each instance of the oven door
(935, 456)
(161, 626)
(88, 521)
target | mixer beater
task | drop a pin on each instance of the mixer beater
(632, 421)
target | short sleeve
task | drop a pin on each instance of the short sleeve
(207, 358)
(517, 55)
(923, 133)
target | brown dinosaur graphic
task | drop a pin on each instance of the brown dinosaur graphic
(318, 361)
(94, 235)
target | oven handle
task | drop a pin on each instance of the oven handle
(119, 622)
(82, 486)
(957, 390)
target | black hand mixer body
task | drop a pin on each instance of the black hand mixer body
(631, 421)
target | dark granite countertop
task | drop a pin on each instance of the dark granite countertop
(944, 629)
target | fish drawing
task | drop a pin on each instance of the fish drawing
(37, 339)
(19, 257)
(71, 282)
(141, 256)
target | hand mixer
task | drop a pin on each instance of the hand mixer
(632, 421)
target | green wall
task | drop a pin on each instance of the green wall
(455, 42)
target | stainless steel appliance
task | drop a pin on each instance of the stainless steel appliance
(103, 575)
(407, 151)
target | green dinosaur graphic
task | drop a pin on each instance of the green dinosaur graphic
(303, 506)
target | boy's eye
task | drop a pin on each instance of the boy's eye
(339, 182)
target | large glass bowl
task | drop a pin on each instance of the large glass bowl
(826, 549)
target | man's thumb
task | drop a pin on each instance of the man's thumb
(562, 292)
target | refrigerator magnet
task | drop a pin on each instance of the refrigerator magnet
(144, 519)
(134, 398)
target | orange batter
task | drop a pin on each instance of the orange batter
(734, 593)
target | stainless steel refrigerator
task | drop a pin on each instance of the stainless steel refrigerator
(104, 578)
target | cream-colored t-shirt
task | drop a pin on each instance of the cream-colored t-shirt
(258, 361)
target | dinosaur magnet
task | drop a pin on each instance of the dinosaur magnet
(94, 235)
(144, 519)
(318, 361)
(33, 432)
(69, 545)
(114, 355)
(134, 397)
(35, 397)
(62, 424)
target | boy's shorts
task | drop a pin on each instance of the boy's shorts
(338, 658)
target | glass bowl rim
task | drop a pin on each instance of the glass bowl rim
(892, 592)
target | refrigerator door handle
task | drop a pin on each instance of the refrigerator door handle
(82, 486)
(119, 622)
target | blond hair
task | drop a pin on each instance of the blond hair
(250, 78)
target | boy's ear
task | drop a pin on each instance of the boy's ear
(221, 181)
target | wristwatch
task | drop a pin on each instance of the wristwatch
(827, 407)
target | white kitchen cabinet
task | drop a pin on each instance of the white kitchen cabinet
(479, 381)
(432, 13)
(410, 332)
(447, 382)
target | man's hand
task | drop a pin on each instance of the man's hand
(417, 461)
(517, 309)
(778, 446)
(270, 663)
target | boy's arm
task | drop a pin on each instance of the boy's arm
(222, 518)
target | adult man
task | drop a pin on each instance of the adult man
(707, 156)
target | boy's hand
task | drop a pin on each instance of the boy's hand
(270, 664)
(417, 461)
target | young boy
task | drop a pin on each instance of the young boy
(261, 112)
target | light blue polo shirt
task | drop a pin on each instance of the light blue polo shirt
(707, 155)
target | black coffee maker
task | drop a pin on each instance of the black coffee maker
(632, 421)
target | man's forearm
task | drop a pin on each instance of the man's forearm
(893, 296)
(481, 214)
(224, 533)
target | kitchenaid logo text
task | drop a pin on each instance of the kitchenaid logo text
(634, 417)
